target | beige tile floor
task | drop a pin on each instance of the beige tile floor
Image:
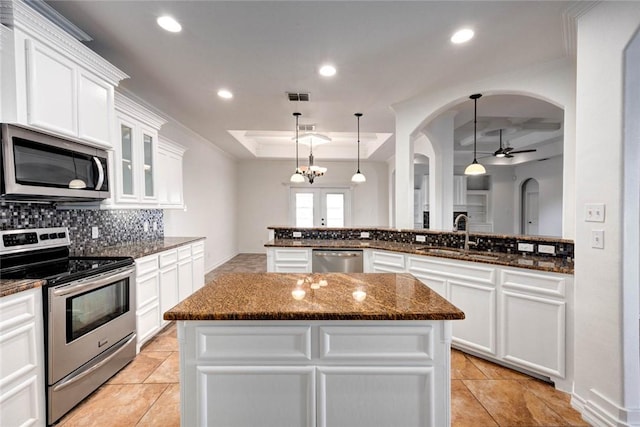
(147, 391)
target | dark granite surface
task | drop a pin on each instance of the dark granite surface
(557, 265)
(292, 296)
(134, 250)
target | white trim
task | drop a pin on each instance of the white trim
(601, 412)
(128, 106)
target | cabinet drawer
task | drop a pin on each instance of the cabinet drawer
(184, 252)
(455, 269)
(388, 259)
(17, 308)
(146, 265)
(168, 257)
(377, 343)
(288, 255)
(248, 343)
(197, 248)
(536, 283)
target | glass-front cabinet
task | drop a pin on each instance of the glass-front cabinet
(135, 154)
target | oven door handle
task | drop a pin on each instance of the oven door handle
(89, 284)
(73, 379)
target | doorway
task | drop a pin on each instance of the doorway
(320, 207)
(530, 207)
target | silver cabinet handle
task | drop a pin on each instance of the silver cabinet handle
(100, 173)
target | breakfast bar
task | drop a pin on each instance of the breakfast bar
(315, 349)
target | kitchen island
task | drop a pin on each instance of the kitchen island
(315, 349)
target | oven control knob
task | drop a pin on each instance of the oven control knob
(44, 237)
(53, 235)
(62, 235)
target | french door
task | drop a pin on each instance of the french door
(320, 207)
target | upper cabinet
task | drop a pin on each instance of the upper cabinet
(135, 156)
(170, 177)
(51, 81)
(459, 190)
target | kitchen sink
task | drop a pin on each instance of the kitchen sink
(442, 251)
(482, 257)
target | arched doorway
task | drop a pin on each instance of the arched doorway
(530, 212)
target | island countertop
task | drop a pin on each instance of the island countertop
(317, 296)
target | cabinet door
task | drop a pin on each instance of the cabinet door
(148, 156)
(185, 278)
(281, 396)
(51, 90)
(169, 178)
(126, 162)
(95, 109)
(378, 396)
(459, 190)
(169, 293)
(478, 329)
(198, 271)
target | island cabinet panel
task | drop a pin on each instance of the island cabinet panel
(534, 305)
(287, 260)
(315, 372)
(385, 262)
(376, 396)
(22, 382)
(255, 396)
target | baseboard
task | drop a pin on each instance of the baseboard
(210, 269)
(599, 411)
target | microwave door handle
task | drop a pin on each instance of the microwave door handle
(100, 173)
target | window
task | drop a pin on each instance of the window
(320, 207)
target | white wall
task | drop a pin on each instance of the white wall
(263, 196)
(604, 382)
(548, 173)
(210, 196)
(502, 199)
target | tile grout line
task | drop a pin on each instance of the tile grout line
(152, 405)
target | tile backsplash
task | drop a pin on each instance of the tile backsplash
(114, 225)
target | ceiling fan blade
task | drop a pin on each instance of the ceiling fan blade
(523, 151)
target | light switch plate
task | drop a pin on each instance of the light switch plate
(297, 234)
(364, 234)
(597, 239)
(145, 226)
(95, 233)
(525, 247)
(594, 212)
(547, 249)
(421, 239)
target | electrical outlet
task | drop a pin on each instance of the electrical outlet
(594, 212)
(95, 233)
(297, 234)
(145, 226)
(421, 239)
(364, 234)
(155, 225)
(547, 249)
(597, 239)
(525, 247)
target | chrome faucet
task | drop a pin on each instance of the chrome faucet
(467, 243)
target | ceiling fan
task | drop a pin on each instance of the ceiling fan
(508, 152)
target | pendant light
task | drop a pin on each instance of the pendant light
(475, 168)
(297, 176)
(358, 177)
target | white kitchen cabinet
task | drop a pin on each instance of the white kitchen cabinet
(459, 191)
(185, 272)
(479, 211)
(288, 260)
(170, 187)
(533, 330)
(169, 289)
(385, 262)
(147, 299)
(53, 82)
(197, 253)
(22, 381)
(135, 154)
(315, 373)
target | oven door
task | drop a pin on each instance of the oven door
(87, 317)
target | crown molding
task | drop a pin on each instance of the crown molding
(569, 17)
(128, 106)
(16, 14)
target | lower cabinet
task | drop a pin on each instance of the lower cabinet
(197, 253)
(147, 299)
(185, 272)
(385, 262)
(22, 381)
(288, 260)
(315, 373)
(169, 285)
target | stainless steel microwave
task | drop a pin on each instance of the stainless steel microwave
(37, 166)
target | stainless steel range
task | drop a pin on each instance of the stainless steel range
(89, 311)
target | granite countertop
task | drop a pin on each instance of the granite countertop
(533, 262)
(277, 296)
(134, 250)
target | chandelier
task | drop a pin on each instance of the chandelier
(310, 172)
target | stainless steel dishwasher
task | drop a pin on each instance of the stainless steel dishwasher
(336, 261)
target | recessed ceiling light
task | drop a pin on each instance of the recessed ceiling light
(223, 93)
(462, 36)
(169, 24)
(327, 70)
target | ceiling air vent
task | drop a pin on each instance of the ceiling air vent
(295, 96)
(306, 128)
